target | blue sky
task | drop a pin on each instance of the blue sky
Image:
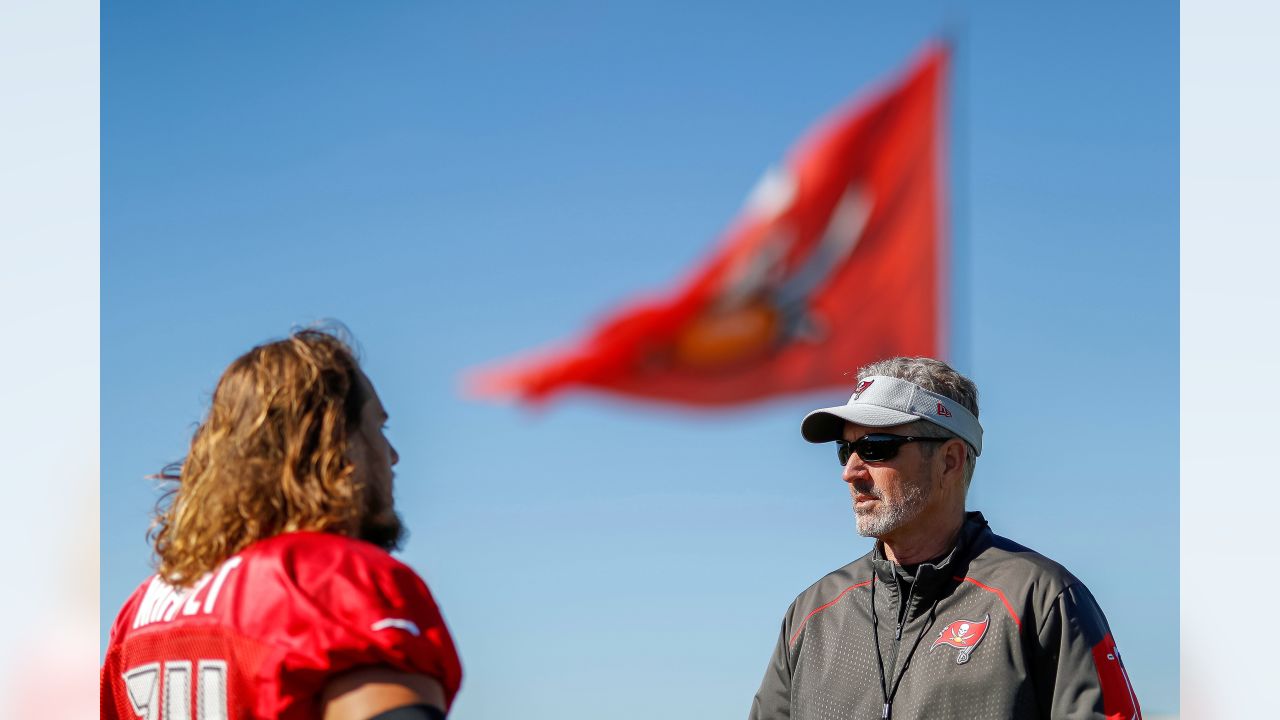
(459, 183)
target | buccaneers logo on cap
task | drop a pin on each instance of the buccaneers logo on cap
(963, 635)
(861, 387)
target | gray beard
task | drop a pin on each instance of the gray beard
(887, 517)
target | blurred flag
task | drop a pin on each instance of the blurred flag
(835, 261)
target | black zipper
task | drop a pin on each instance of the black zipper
(889, 690)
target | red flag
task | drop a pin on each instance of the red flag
(835, 261)
(962, 634)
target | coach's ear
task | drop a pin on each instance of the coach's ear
(367, 692)
(953, 452)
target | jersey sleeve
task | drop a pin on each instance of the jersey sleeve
(1078, 671)
(356, 606)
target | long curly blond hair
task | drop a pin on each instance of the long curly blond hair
(270, 457)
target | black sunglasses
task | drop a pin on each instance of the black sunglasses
(877, 447)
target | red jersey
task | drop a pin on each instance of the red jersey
(258, 638)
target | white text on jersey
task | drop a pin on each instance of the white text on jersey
(162, 601)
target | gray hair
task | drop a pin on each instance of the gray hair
(938, 377)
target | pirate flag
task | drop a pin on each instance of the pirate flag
(836, 260)
(963, 635)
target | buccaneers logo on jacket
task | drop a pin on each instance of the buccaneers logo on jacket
(963, 635)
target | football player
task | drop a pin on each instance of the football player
(275, 594)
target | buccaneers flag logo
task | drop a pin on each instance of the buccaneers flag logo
(837, 259)
(963, 635)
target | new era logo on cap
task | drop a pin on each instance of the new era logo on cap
(943, 411)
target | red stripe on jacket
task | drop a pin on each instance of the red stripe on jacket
(1119, 702)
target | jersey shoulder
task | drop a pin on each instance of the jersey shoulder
(335, 580)
(356, 605)
(128, 611)
(311, 561)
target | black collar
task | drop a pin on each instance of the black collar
(932, 577)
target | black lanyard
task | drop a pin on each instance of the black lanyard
(887, 692)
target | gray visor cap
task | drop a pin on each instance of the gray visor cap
(881, 401)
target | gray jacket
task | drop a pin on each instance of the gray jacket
(993, 630)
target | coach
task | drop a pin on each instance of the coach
(943, 618)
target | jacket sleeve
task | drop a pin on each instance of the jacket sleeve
(1078, 673)
(773, 699)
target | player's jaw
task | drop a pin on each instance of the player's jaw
(381, 524)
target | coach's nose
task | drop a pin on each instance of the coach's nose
(854, 469)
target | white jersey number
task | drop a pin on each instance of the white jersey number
(171, 700)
